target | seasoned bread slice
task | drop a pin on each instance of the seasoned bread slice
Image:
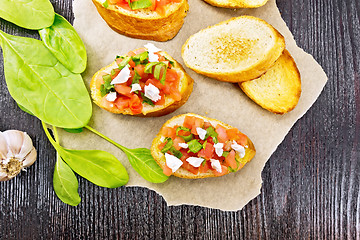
(279, 89)
(237, 50)
(185, 87)
(145, 23)
(183, 173)
(237, 3)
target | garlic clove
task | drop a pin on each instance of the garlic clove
(30, 158)
(17, 152)
(27, 146)
(3, 147)
(14, 139)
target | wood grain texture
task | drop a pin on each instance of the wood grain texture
(311, 183)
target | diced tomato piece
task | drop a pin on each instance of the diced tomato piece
(122, 102)
(202, 154)
(240, 166)
(123, 90)
(154, 82)
(230, 160)
(204, 168)
(178, 140)
(242, 140)
(171, 75)
(199, 122)
(227, 146)
(224, 171)
(222, 136)
(140, 69)
(175, 93)
(166, 88)
(232, 133)
(107, 104)
(189, 121)
(131, 63)
(209, 150)
(168, 132)
(207, 125)
(162, 99)
(235, 134)
(135, 104)
(166, 170)
(189, 167)
(99, 81)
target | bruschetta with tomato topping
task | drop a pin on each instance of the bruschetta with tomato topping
(144, 82)
(193, 146)
(158, 20)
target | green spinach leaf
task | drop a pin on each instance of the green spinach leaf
(41, 84)
(30, 14)
(140, 159)
(143, 163)
(66, 45)
(25, 110)
(99, 167)
(74, 130)
(65, 183)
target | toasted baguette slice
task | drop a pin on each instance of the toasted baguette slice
(237, 50)
(237, 3)
(279, 89)
(185, 87)
(183, 173)
(145, 23)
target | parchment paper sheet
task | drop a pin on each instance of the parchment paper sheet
(223, 101)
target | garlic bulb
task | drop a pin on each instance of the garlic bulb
(16, 152)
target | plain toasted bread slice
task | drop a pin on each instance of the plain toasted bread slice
(237, 3)
(185, 87)
(183, 173)
(279, 89)
(145, 23)
(237, 50)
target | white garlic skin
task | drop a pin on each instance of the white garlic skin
(16, 153)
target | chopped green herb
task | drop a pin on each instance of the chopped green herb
(210, 132)
(141, 58)
(181, 128)
(168, 145)
(194, 146)
(147, 100)
(106, 4)
(186, 138)
(136, 77)
(106, 87)
(215, 140)
(231, 169)
(157, 70)
(204, 144)
(175, 152)
(140, 4)
(225, 154)
(124, 62)
(203, 163)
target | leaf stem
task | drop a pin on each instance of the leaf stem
(55, 134)
(106, 138)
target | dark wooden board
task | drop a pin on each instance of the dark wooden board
(311, 183)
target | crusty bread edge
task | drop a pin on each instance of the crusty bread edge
(253, 71)
(161, 28)
(290, 60)
(237, 4)
(186, 84)
(182, 173)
